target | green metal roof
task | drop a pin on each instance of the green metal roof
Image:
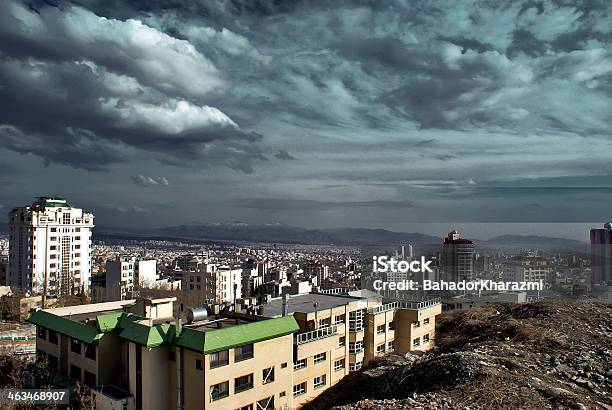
(68, 327)
(116, 320)
(49, 202)
(226, 338)
(149, 336)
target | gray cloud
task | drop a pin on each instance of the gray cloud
(148, 181)
(284, 155)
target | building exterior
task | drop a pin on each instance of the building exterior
(530, 269)
(50, 244)
(126, 274)
(601, 255)
(277, 356)
(457, 258)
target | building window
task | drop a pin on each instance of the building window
(339, 319)
(426, 338)
(339, 365)
(324, 322)
(247, 407)
(75, 373)
(299, 389)
(219, 391)
(89, 379)
(52, 337)
(380, 329)
(198, 364)
(243, 383)
(426, 321)
(268, 375)
(391, 345)
(353, 367)
(266, 404)
(75, 346)
(392, 325)
(356, 347)
(243, 352)
(319, 357)
(283, 365)
(416, 342)
(319, 381)
(300, 364)
(41, 332)
(416, 323)
(219, 359)
(342, 341)
(90, 351)
(380, 348)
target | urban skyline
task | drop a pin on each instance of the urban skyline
(315, 114)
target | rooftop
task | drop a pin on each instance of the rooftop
(305, 303)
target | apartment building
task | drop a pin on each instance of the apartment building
(530, 269)
(136, 355)
(50, 244)
(125, 274)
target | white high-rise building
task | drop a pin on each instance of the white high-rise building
(50, 239)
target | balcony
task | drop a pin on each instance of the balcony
(316, 335)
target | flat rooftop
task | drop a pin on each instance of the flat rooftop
(215, 323)
(305, 303)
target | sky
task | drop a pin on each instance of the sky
(312, 113)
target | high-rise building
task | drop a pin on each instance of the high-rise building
(457, 258)
(126, 274)
(50, 241)
(601, 255)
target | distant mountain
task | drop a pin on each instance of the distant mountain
(535, 241)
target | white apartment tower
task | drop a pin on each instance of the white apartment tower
(50, 240)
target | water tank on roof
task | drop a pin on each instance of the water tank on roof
(196, 314)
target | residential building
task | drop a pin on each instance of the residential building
(126, 274)
(50, 247)
(601, 255)
(457, 258)
(279, 355)
(527, 268)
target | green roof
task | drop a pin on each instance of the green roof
(72, 328)
(149, 336)
(49, 202)
(225, 338)
(116, 320)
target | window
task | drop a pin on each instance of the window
(426, 321)
(391, 345)
(219, 391)
(41, 332)
(338, 319)
(53, 248)
(416, 323)
(283, 365)
(380, 348)
(426, 338)
(392, 325)
(268, 375)
(353, 367)
(380, 329)
(282, 394)
(247, 407)
(324, 322)
(342, 341)
(265, 404)
(198, 364)
(75, 372)
(416, 342)
(75, 346)
(243, 383)
(319, 381)
(219, 359)
(300, 364)
(339, 365)
(243, 352)
(52, 337)
(319, 357)
(90, 351)
(356, 347)
(299, 389)
(89, 379)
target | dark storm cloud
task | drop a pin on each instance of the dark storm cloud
(78, 90)
(284, 155)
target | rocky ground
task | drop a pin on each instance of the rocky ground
(531, 356)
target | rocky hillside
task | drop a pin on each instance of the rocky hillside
(531, 356)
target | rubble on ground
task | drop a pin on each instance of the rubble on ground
(552, 354)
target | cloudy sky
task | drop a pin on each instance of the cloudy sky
(310, 113)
